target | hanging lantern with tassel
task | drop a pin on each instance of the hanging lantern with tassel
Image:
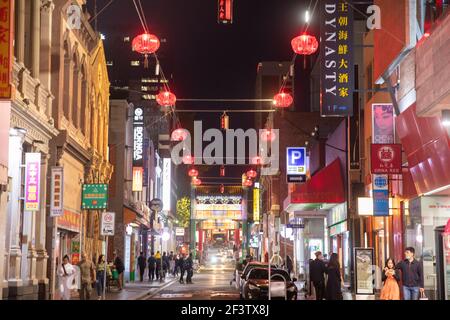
(145, 44)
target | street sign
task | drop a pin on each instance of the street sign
(95, 196)
(156, 205)
(108, 224)
(295, 226)
(296, 165)
(380, 195)
(386, 158)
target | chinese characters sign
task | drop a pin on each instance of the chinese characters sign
(57, 190)
(69, 221)
(32, 178)
(6, 44)
(337, 76)
(256, 205)
(225, 11)
(386, 158)
(383, 123)
(95, 196)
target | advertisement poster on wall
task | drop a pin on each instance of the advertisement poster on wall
(383, 129)
(364, 277)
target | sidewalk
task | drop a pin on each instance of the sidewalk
(347, 295)
(132, 290)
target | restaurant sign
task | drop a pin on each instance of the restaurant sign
(95, 196)
(337, 76)
(6, 46)
(386, 158)
(32, 181)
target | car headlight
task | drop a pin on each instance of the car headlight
(291, 289)
(253, 287)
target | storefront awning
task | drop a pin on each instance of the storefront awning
(323, 191)
(131, 216)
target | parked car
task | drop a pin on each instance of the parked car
(243, 275)
(256, 285)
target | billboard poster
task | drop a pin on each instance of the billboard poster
(383, 129)
(386, 158)
(32, 181)
(337, 70)
(364, 276)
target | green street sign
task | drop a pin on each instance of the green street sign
(95, 196)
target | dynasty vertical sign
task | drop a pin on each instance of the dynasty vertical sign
(337, 77)
(6, 45)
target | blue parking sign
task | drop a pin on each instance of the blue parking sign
(296, 164)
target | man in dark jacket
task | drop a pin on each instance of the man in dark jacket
(316, 274)
(151, 267)
(181, 266)
(141, 264)
(120, 267)
(412, 275)
(189, 266)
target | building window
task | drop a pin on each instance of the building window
(149, 97)
(109, 63)
(126, 39)
(144, 88)
(135, 63)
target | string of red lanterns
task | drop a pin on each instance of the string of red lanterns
(283, 100)
(251, 173)
(179, 134)
(196, 181)
(193, 172)
(305, 44)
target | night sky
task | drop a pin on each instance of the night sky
(208, 60)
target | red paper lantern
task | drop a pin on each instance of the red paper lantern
(196, 181)
(283, 100)
(248, 183)
(305, 44)
(145, 43)
(268, 135)
(166, 99)
(252, 173)
(193, 173)
(179, 134)
(188, 159)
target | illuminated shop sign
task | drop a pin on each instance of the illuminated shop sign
(137, 179)
(225, 11)
(138, 137)
(255, 205)
(32, 181)
(167, 167)
(337, 76)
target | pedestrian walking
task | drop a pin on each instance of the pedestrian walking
(88, 277)
(66, 274)
(101, 274)
(334, 283)
(289, 264)
(176, 265)
(165, 262)
(141, 264)
(189, 266)
(390, 278)
(412, 275)
(182, 268)
(172, 263)
(158, 270)
(317, 270)
(120, 267)
(151, 267)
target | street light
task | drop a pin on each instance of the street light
(446, 118)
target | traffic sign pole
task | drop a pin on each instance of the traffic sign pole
(105, 273)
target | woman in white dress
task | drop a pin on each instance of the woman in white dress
(66, 274)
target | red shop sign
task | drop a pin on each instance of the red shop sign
(386, 158)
